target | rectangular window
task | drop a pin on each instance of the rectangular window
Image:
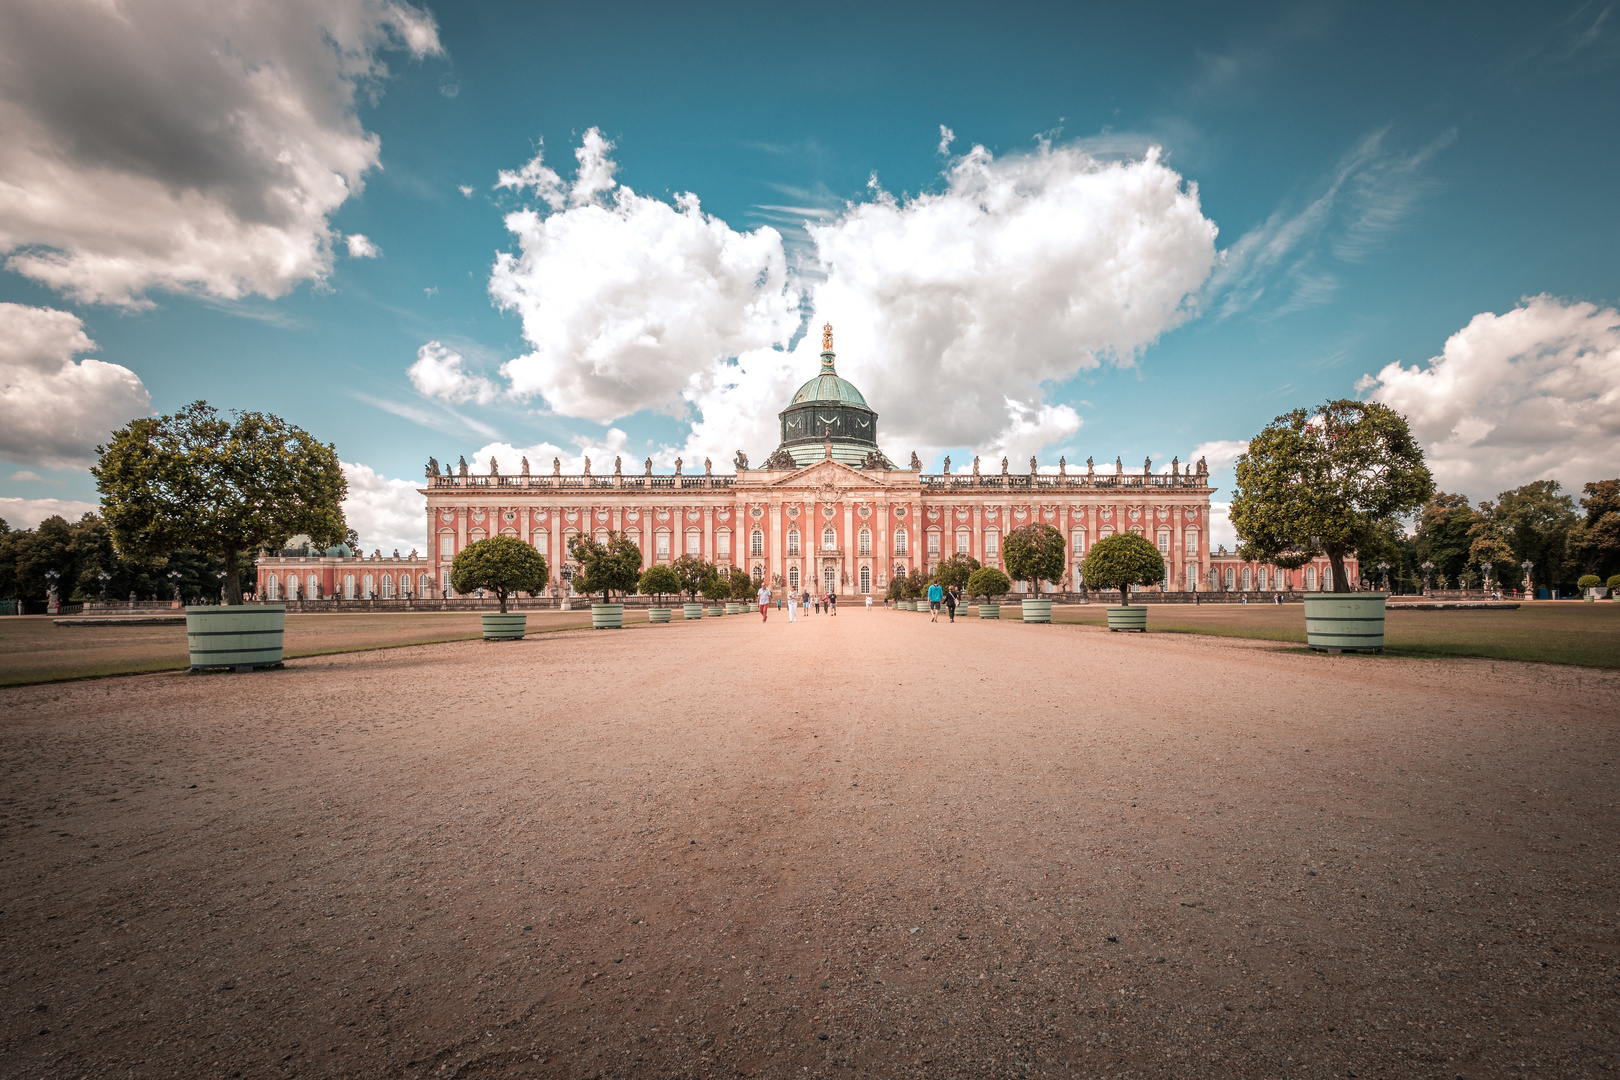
(992, 544)
(662, 542)
(866, 542)
(793, 541)
(756, 543)
(899, 541)
(964, 542)
(447, 547)
(1164, 543)
(933, 543)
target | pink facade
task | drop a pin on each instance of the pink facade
(328, 577)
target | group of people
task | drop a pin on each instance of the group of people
(825, 603)
(938, 597)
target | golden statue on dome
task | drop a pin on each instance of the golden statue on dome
(826, 338)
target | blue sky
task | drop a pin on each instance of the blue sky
(1374, 181)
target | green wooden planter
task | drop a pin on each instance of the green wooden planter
(1127, 617)
(607, 616)
(714, 612)
(509, 627)
(1038, 611)
(989, 611)
(691, 611)
(658, 614)
(1345, 622)
(243, 636)
(733, 608)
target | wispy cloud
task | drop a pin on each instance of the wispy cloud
(445, 420)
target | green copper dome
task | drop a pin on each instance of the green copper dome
(829, 386)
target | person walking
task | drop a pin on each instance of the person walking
(935, 595)
(950, 603)
(793, 607)
(764, 597)
(868, 601)
(832, 603)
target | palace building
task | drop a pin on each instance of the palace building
(827, 511)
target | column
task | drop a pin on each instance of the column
(708, 534)
(849, 564)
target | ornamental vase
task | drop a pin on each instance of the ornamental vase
(1038, 611)
(242, 636)
(607, 616)
(509, 627)
(1345, 622)
(1127, 617)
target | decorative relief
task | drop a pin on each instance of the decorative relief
(828, 511)
(632, 515)
(663, 515)
(1106, 513)
(1020, 513)
(478, 515)
(865, 511)
(601, 515)
(990, 512)
(447, 514)
(1136, 513)
(961, 513)
(725, 515)
(510, 515)
(899, 511)
(572, 515)
(793, 512)
(756, 513)
(539, 515)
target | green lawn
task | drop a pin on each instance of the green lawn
(1554, 632)
(33, 649)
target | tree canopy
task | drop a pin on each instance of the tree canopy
(1033, 553)
(503, 565)
(1321, 481)
(197, 480)
(1120, 561)
(1598, 537)
(605, 568)
(987, 581)
(953, 573)
(716, 586)
(657, 580)
(692, 571)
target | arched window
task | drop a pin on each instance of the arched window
(314, 590)
(1327, 579)
(447, 546)
(602, 537)
(756, 542)
(829, 540)
(866, 579)
(829, 579)
(661, 543)
(759, 573)
(388, 586)
(793, 543)
(992, 544)
(793, 578)
(964, 541)
(900, 541)
(1310, 579)
(933, 541)
(1192, 578)
(292, 586)
(1246, 580)
(865, 542)
(348, 585)
(368, 587)
(444, 584)
(423, 586)
(273, 587)
(1105, 532)
(694, 542)
(541, 542)
(1231, 578)
(1078, 542)
(1164, 541)
(1192, 542)
(722, 545)
(405, 586)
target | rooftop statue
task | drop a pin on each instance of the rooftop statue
(740, 461)
(556, 467)
(1119, 465)
(1091, 468)
(1063, 466)
(1033, 467)
(975, 464)
(525, 466)
(677, 466)
(916, 462)
(1202, 468)
(1147, 466)
(462, 466)
(433, 466)
(826, 338)
(947, 469)
(1175, 465)
(413, 555)
(1004, 465)
(396, 553)
(618, 465)
(587, 466)
(494, 466)
(649, 466)
(708, 467)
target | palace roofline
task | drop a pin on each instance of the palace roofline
(929, 481)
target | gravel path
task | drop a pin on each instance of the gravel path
(862, 845)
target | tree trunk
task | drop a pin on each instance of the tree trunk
(1336, 561)
(500, 594)
(233, 577)
(1124, 596)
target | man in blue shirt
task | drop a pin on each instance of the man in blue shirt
(935, 595)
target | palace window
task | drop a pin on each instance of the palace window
(992, 544)
(1192, 578)
(1231, 578)
(793, 578)
(368, 588)
(405, 586)
(1079, 542)
(900, 541)
(756, 542)
(1327, 579)
(866, 541)
(866, 579)
(1246, 580)
(348, 585)
(447, 547)
(273, 587)
(602, 537)
(423, 585)
(661, 544)
(1164, 542)
(759, 573)
(1260, 576)
(1310, 579)
(292, 586)
(829, 540)
(694, 542)
(933, 541)
(444, 585)
(964, 542)
(722, 544)
(1192, 541)
(793, 543)
(829, 579)
(314, 590)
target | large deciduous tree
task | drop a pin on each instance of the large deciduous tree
(606, 568)
(197, 480)
(1118, 562)
(1322, 481)
(1033, 553)
(503, 565)
(1597, 539)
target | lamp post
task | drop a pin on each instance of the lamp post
(1383, 568)
(1427, 568)
(174, 579)
(1529, 587)
(103, 577)
(1485, 572)
(53, 603)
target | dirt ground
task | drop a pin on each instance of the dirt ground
(862, 845)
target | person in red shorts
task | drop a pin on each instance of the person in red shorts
(764, 603)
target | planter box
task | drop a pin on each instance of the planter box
(658, 614)
(714, 612)
(733, 609)
(1345, 622)
(240, 636)
(1127, 617)
(1038, 611)
(607, 616)
(691, 611)
(509, 627)
(989, 611)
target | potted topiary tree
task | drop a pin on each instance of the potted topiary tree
(1034, 553)
(655, 582)
(716, 589)
(743, 588)
(606, 568)
(1614, 588)
(1327, 481)
(196, 480)
(1591, 585)
(914, 586)
(503, 565)
(954, 572)
(986, 582)
(1118, 562)
(692, 571)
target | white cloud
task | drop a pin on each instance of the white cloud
(1219, 455)
(25, 474)
(946, 137)
(187, 145)
(387, 513)
(466, 190)
(54, 411)
(1532, 394)
(438, 373)
(1221, 531)
(360, 247)
(28, 513)
(625, 299)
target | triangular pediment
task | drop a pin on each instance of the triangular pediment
(826, 473)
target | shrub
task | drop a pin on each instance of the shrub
(1034, 553)
(658, 580)
(1614, 584)
(1588, 581)
(987, 581)
(605, 568)
(1118, 562)
(715, 586)
(954, 572)
(897, 588)
(502, 565)
(692, 571)
(743, 586)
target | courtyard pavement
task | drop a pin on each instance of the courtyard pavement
(856, 845)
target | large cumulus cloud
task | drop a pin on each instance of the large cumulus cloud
(1531, 394)
(53, 409)
(193, 145)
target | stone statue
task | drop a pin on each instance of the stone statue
(916, 462)
(1063, 466)
(494, 466)
(708, 467)
(649, 466)
(433, 466)
(1147, 466)
(1004, 465)
(740, 461)
(947, 469)
(587, 466)
(1091, 467)
(782, 460)
(677, 466)
(618, 465)
(556, 467)
(413, 555)
(975, 464)
(826, 338)
(396, 553)
(1119, 465)
(1175, 465)
(1033, 468)
(1202, 468)
(462, 465)
(525, 466)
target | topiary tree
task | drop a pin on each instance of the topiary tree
(715, 586)
(1614, 585)
(196, 480)
(658, 580)
(502, 565)
(692, 571)
(986, 582)
(1118, 562)
(1588, 581)
(912, 586)
(1033, 553)
(897, 587)
(605, 568)
(1324, 481)
(954, 572)
(743, 587)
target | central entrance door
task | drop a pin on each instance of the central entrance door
(829, 579)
